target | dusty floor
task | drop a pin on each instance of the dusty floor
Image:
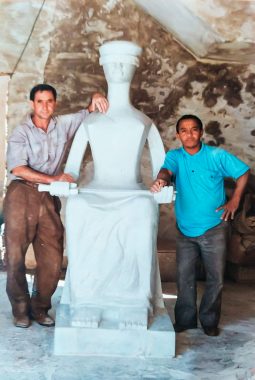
(26, 354)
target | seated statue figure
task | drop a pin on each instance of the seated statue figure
(111, 224)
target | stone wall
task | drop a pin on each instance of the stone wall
(63, 51)
(31, 67)
(4, 80)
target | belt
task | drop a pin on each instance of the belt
(31, 184)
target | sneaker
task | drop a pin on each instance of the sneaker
(22, 322)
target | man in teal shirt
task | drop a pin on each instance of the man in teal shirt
(201, 214)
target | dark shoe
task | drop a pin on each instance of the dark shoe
(211, 331)
(179, 328)
(23, 322)
(44, 320)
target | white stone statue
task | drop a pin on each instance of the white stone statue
(112, 223)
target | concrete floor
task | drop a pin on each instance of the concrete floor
(26, 354)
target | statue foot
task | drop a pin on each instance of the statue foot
(84, 316)
(133, 318)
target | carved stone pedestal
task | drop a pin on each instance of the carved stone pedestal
(158, 341)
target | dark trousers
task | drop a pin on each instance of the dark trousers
(211, 247)
(32, 217)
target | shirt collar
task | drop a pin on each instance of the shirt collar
(196, 154)
(51, 125)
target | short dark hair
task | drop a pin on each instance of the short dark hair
(42, 87)
(187, 117)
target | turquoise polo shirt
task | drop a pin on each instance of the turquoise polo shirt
(200, 189)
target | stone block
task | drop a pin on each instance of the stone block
(158, 341)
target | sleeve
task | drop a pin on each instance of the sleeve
(170, 162)
(71, 122)
(17, 149)
(232, 166)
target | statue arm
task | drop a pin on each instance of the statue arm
(157, 151)
(76, 153)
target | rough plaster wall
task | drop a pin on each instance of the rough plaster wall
(168, 83)
(17, 19)
(213, 30)
(30, 69)
(239, 15)
(4, 80)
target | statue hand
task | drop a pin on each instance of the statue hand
(60, 188)
(98, 102)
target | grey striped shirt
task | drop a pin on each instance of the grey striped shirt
(39, 150)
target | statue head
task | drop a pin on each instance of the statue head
(119, 60)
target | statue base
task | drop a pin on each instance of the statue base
(158, 341)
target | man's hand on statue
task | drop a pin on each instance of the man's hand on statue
(98, 102)
(229, 209)
(157, 185)
(63, 177)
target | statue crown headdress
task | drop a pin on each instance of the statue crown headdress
(120, 51)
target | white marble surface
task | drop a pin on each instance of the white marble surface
(27, 354)
(111, 340)
(111, 235)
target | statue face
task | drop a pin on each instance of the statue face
(119, 72)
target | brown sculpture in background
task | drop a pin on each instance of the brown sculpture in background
(242, 242)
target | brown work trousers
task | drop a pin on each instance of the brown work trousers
(32, 217)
